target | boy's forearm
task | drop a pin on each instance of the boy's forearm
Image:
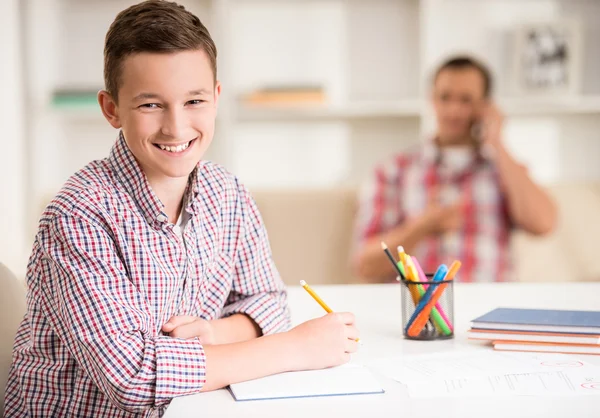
(235, 328)
(372, 262)
(232, 363)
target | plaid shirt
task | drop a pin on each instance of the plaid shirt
(108, 270)
(400, 190)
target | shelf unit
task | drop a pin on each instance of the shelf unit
(373, 60)
(357, 110)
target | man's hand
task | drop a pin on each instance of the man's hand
(439, 219)
(492, 120)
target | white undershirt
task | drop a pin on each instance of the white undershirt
(180, 225)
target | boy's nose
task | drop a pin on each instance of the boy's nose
(174, 124)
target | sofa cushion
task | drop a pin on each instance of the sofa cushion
(310, 232)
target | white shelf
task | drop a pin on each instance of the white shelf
(550, 106)
(365, 73)
(412, 108)
(409, 108)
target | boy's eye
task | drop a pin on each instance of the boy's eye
(149, 105)
(196, 102)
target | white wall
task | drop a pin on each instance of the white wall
(372, 57)
(556, 147)
(12, 144)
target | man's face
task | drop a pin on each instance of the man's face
(167, 109)
(458, 98)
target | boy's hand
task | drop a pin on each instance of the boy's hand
(324, 342)
(189, 327)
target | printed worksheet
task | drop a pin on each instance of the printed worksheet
(423, 368)
(554, 383)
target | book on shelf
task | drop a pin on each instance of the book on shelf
(75, 98)
(285, 96)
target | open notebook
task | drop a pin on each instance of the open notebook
(349, 379)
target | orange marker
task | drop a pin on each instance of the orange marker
(415, 329)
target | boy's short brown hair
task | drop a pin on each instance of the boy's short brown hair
(153, 26)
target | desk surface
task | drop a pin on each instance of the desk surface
(377, 308)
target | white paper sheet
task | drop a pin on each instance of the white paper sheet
(351, 379)
(555, 383)
(471, 364)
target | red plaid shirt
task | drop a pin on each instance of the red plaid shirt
(400, 189)
(108, 270)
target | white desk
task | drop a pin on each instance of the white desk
(377, 308)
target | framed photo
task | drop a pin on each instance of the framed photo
(548, 58)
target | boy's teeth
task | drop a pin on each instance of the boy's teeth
(178, 148)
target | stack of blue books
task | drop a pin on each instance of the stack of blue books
(539, 330)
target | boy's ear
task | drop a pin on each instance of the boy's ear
(217, 93)
(109, 108)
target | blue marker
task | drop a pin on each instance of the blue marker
(437, 277)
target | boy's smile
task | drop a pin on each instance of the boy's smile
(175, 149)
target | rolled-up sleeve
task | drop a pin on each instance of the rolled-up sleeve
(94, 308)
(257, 290)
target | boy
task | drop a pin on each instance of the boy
(151, 275)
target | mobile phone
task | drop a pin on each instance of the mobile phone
(477, 124)
(477, 130)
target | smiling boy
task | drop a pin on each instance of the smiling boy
(151, 274)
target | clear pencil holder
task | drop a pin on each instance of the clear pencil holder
(428, 309)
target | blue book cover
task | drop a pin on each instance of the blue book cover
(540, 319)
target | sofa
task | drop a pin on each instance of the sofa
(311, 236)
(310, 231)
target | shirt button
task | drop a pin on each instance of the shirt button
(176, 229)
(161, 218)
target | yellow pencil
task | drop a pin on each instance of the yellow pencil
(318, 299)
(315, 296)
(402, 256)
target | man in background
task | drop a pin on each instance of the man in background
(458, 195)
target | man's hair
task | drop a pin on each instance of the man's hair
(465, 62)
(153, 26)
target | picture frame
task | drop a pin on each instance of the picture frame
(547, 59)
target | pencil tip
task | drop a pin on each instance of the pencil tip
(400, 249)
(384, 246)
(302, 283)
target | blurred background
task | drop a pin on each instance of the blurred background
(315, 93)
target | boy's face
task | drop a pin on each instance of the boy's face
(458, 95)
(167, 105)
